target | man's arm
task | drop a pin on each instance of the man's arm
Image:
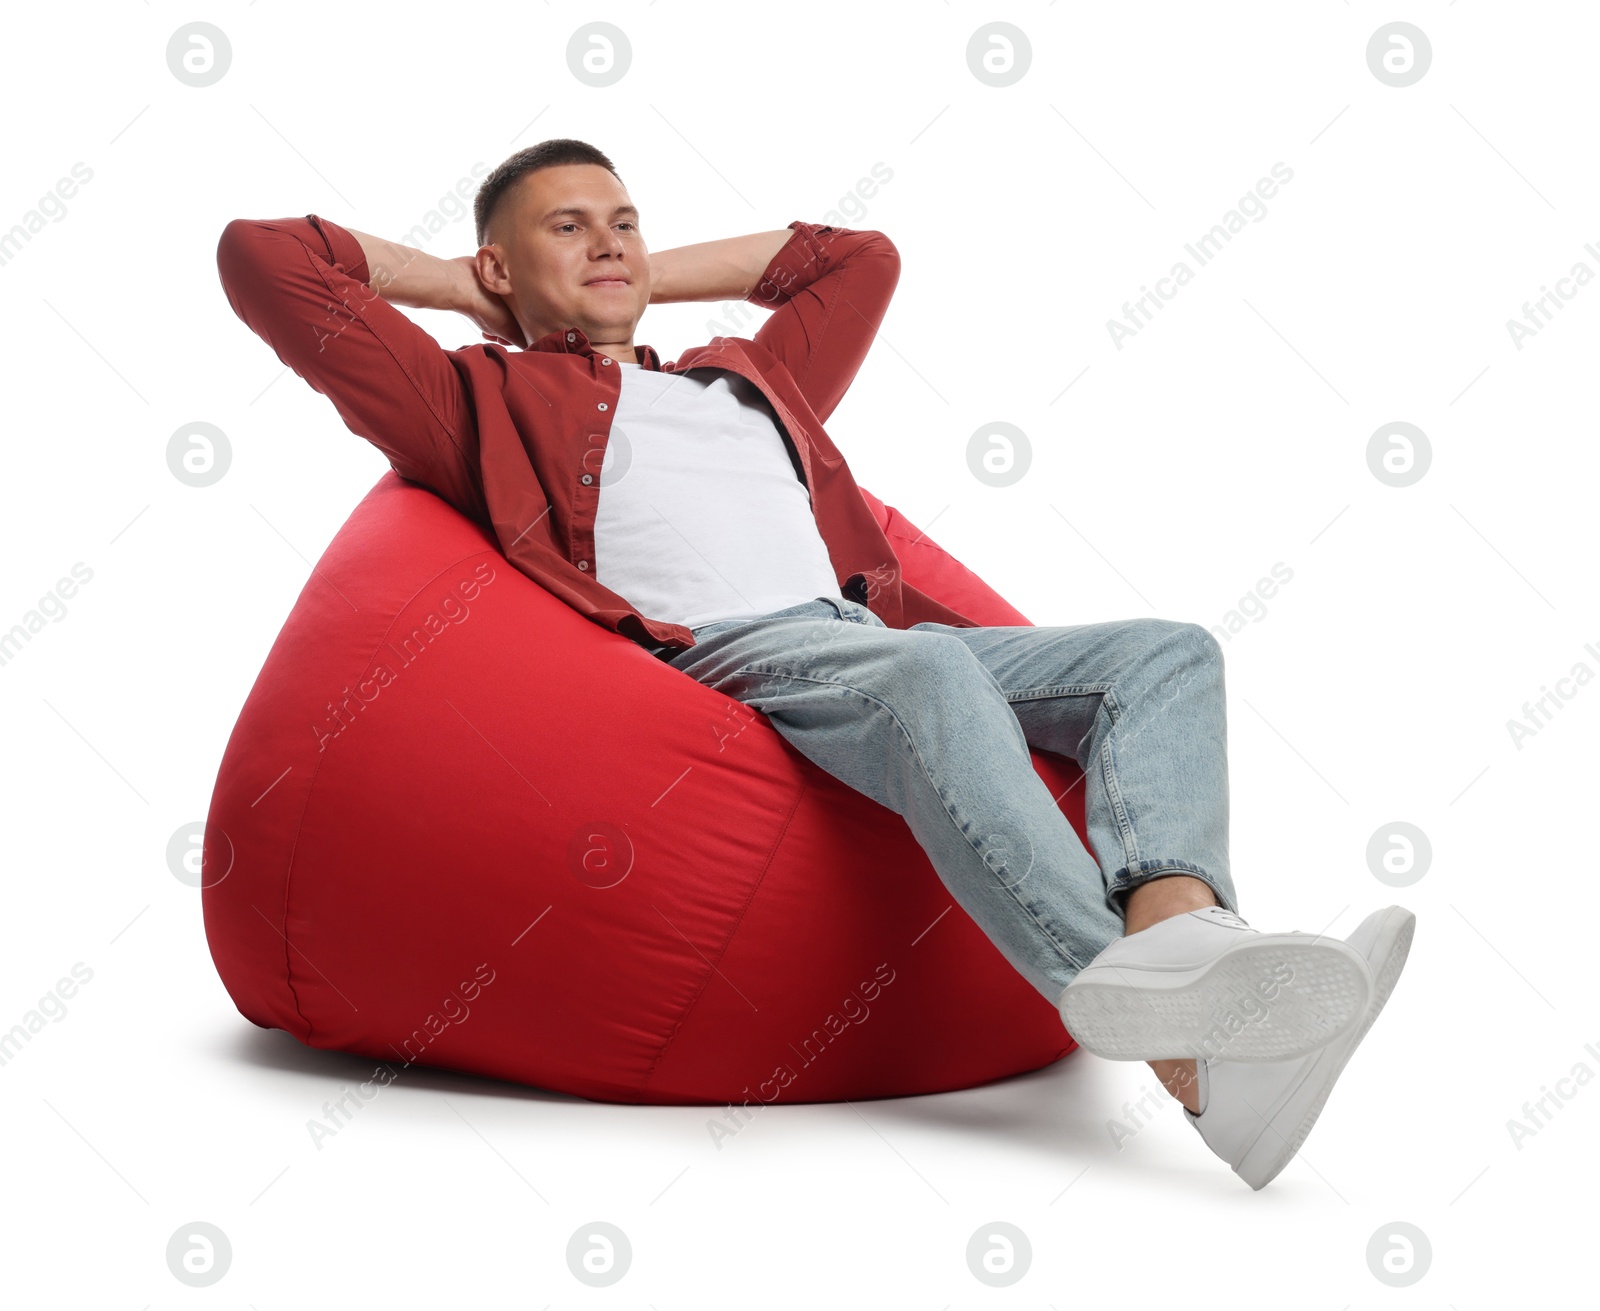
(713, 270)
(404, 275)
(301, 284)
(828, 289)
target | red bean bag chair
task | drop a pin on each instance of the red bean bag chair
(460, 825)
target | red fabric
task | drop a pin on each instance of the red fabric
(508, 437)
(380, 841)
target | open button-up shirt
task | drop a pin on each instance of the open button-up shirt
(515, 439)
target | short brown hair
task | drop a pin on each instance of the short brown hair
(547, 154)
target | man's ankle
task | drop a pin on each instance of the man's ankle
(1180, 1078)
(1163, 897)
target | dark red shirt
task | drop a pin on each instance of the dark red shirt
(515, 439)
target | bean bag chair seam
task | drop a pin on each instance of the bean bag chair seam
(733, 930)
(311, 787)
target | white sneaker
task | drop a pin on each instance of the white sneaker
(1205, 984)
(1256, 1116)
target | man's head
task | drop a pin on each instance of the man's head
(559, 239)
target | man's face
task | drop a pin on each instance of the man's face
(566, 252)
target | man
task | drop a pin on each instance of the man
(701, 510)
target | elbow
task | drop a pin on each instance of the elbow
(885, 253)
(238, 232)
(239, 241)
(253, 264)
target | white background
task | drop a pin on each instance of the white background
(1167, 477)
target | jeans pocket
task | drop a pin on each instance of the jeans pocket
(856, 613)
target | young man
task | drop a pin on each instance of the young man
(701, 510)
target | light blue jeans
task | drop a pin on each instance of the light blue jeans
(934, 722)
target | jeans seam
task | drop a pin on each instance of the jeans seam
(1060, 689)
(1157, 866)
(1108, 776)
(944, 805)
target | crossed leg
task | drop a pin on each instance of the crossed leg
(935, 723)
(1170, 675)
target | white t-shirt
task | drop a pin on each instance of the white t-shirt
(701, 514)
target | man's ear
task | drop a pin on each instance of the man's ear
(492, 270)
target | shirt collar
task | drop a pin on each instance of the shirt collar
(573, 341)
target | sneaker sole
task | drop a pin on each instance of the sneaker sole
(1271, 1153)
(1127, 1014)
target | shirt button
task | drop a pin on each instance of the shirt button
(587, 479)
(572, 336)
(583, 564)
(603, 405)
(605, 361)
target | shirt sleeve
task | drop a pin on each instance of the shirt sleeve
(829, 289)
(301, 285)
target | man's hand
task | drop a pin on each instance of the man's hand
(488, 310)
(404, 275)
